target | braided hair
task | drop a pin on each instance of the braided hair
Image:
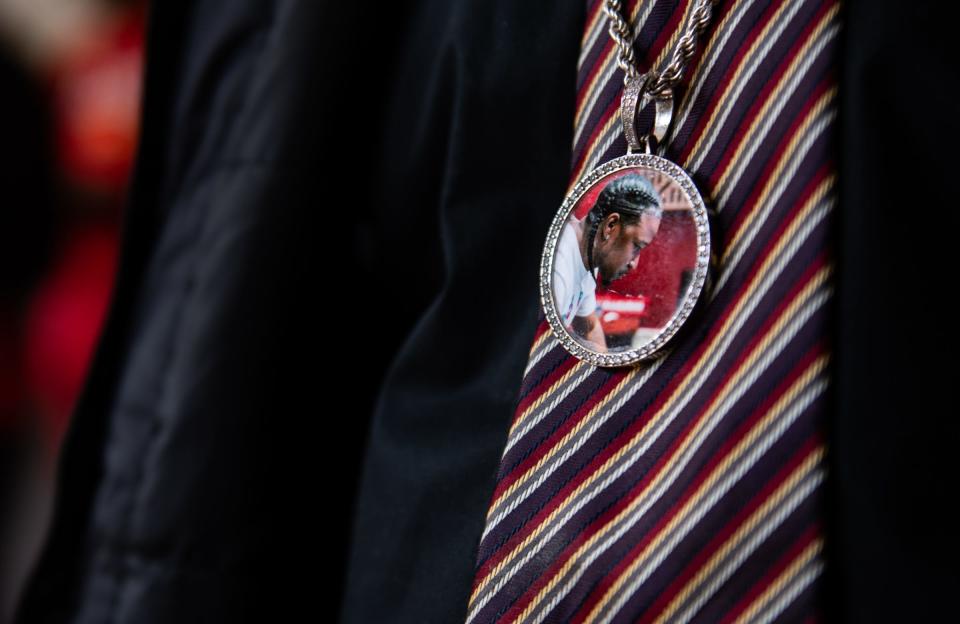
(631, 196)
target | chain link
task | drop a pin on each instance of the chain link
(622, 34)
(660, 84)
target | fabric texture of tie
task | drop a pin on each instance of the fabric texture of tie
(691, 488)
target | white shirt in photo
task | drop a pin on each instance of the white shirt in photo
(574, 287)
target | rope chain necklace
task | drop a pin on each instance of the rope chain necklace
(627, 255)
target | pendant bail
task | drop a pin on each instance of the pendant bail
(632, 87)
(633, 94)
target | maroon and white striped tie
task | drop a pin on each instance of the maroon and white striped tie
(690, 488)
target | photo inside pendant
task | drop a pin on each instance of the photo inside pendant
(625, 259)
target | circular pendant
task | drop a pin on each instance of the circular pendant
(626, 259)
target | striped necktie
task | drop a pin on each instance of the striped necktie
(691, 488)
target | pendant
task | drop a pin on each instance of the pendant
(628, 254)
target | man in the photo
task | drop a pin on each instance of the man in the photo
(605, 245)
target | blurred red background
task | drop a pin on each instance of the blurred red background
(71, 76)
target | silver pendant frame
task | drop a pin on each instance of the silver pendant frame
(696, 287)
